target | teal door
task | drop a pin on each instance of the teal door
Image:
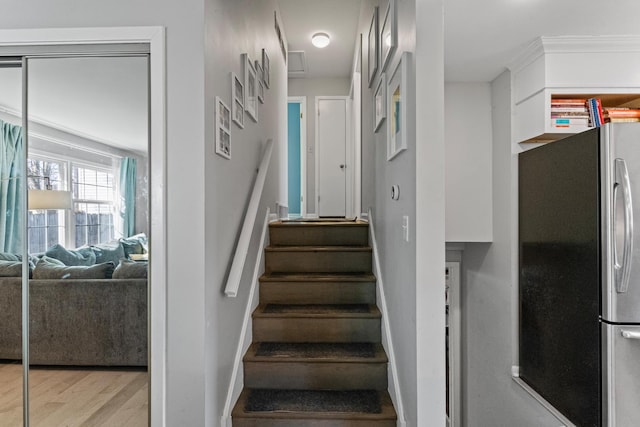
(293, 155)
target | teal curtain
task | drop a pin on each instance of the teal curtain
(128, 196)
(11, 194)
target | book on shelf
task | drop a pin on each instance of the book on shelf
(621, 113)
(570, 114)
(595, 111)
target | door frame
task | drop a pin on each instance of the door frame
(302, 100)
(18, 39)
(348, 155)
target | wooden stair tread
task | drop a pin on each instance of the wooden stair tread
(317, 277)
(317, 311)
(278, 248)
(318, 223)
(316, 352)
(305, 404)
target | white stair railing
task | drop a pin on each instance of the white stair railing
(237, 266)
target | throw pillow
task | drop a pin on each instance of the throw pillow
(6, 256)
(134, 244)
(108, 252)
(81, 256)
(11, 268)
(48, 268)
(130, 270)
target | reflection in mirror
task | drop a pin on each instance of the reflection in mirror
(88, 238)
(11, 247)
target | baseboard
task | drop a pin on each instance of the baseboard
(237, 379)
(387, 342)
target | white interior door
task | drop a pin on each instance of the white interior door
(331, 144)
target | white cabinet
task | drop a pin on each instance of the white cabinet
(602, 67)
(468, 154)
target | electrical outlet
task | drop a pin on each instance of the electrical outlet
(405, 228)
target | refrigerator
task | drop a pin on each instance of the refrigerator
(579, 274)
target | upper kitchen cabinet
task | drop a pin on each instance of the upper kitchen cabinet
(604, 67)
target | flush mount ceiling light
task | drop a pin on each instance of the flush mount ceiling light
(320, 40)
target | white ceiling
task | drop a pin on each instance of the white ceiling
(481, 36)
(103, 99)
(338, 18)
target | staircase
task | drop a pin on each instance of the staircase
(316, 357)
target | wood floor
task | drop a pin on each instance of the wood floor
(75, 397)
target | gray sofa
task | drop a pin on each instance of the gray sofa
(77, 322)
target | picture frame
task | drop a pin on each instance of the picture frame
(237, 101)
(266, 69)
(380, 102)
(397, 95)
(250, 88)
(259, 73)
(223, 133)
(388, 35)
(372, 47)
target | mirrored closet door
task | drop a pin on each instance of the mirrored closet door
(84, 228)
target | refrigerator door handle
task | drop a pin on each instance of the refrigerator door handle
(631, 335)
(623, 185)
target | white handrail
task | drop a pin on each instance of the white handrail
(233, 282)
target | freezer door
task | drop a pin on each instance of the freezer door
(620, 212)
(621, 393)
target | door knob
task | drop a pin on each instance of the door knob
(342, 166)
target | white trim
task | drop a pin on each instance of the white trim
(548, 406)
(356, 144)
(455, 345)
(302, 100)
(387, 342)
(155, 36)
(236, 380)
(348, 142)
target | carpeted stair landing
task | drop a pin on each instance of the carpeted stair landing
(316, 357)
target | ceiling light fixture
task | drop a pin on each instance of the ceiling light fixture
(320, 40)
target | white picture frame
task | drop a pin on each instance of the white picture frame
(388, 39)
(250, 88)
(397, 108)
(259, 73)
(266, 67)
(372, 47)
(223, 132)
(380, 102)
(237, 100)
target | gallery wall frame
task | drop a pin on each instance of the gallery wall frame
(380, 102)
(259, 73)
(237, 100)
(265, 68)
(388, 39)
(397, 95)
(223, 132)
(373, 47)
(250, 88)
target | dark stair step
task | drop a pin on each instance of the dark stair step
(316, 323)
(317, 408)
(318, 288)
(319, 233)
(318, 259)
(317, 366)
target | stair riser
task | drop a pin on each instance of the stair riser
(318, 293)
(318, 262)
(316, 376)
(271, 422)
(316, 330)
(319, 236)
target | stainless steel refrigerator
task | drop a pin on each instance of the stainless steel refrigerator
(579, 281)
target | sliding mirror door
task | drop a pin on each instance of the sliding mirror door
(87, 236)
(12, 197)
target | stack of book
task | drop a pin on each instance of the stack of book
(621, 114)
(570, 114)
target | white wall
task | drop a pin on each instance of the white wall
(468, 141)
(233, 28)
(312, 88)
(490, 397)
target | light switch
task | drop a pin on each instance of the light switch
(405, 228)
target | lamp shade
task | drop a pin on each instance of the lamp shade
(49, 199)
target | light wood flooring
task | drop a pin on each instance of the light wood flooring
(75, 397)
